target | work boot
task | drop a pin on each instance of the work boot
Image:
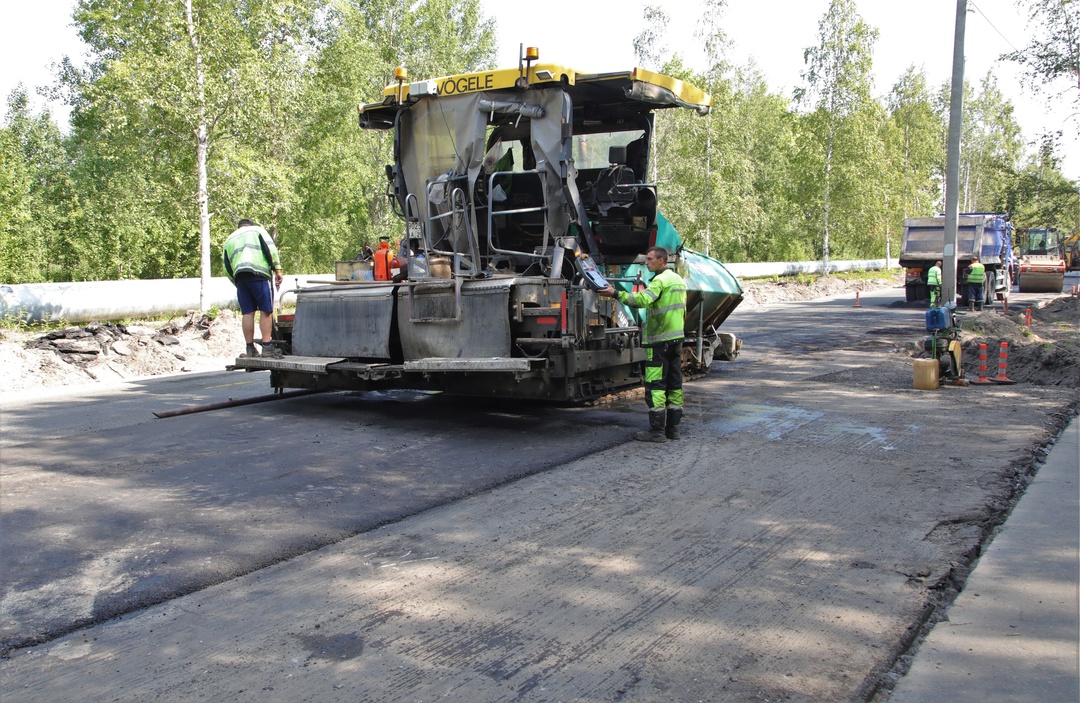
(269, 351)
(655, 433)
(250, 352)
(674, 417)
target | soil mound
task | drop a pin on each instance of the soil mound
(118, 352)
(756, 293)
(1044, 352)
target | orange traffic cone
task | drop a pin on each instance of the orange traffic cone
(857, 305)
(1003, 359)
(982, 379)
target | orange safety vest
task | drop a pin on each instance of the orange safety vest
(383, 262)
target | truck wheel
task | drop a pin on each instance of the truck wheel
(909, 292)
(988, 287)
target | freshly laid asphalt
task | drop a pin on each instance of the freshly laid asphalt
(1013, 633)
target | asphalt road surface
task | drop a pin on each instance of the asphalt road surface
(404, 547)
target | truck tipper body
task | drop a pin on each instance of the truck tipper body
(988, 236)
(523, 192)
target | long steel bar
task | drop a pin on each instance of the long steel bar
(236, 403)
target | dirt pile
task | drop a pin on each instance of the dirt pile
(756, 293)
(116, 352)
(1045, 352)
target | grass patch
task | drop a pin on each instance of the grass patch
(20, 323)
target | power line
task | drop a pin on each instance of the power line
(979, 10)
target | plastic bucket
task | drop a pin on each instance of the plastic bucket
(926, 374)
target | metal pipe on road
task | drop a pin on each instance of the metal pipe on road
(192, 409)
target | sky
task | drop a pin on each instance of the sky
(597, 35)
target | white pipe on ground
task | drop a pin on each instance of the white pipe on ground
(119, 300)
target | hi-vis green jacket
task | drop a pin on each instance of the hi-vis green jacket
(665, 307)
(250, 250)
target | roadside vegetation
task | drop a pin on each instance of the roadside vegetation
(188, 115)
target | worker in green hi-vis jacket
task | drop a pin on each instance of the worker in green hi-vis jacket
(664, 301)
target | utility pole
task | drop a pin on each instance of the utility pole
(952, 169)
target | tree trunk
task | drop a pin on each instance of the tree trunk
(202, 140)
(825, 209)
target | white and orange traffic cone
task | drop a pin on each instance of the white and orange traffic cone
(1003, 359)
(982, 379)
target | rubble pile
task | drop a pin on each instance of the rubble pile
(118, 352)
(87, 345)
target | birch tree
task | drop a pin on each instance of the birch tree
(181, 80)
(838, 83)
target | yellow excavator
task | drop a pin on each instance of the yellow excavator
(1072, 252)
(1042, 267)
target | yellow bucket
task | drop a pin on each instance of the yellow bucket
(926, 374)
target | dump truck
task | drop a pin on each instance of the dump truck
(986, 235)
(1041, 265)
(522, 192)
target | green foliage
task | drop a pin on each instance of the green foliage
(17, 321)
(193, 113)
(1052, 58)
(913, 139)
(1039, 196)
(993, 149)
(341, 184)
(35, 195)
(837, 144)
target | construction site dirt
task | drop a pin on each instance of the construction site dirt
(819, 513)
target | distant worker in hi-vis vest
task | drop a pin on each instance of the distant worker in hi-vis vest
(976, 277)
(933, 283)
